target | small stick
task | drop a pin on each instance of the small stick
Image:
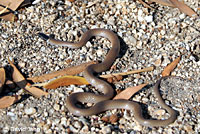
(129, 72)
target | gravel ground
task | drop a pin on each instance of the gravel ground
(148, 37)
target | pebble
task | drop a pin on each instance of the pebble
(56, 107)
(160, 112)
(30, 111)
(106, 130)
(22, 64)
(148, 18)
(111, 20)
(182, 16)
(35, 2)
(78, 124)
(132, 40)
(158, 62)
(76, 89)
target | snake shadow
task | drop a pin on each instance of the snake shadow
(144, 107)
(123, 46)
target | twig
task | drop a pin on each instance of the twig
(129, 72)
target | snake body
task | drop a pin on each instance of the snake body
(102, 102)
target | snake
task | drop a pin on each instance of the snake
(103, 101)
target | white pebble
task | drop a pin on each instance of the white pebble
(182, 16)
(36, 1)
(106, 130)
(30, 111)
(149, 18)
(99, 52)
(56, 107)
(10, 114)
(78, 124)
(132, 40)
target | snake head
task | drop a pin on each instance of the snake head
(43, 36)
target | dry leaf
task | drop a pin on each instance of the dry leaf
(10, 84)
(184, 8)
(2, 78)
(71, 0)
(127, 93)
(167, 70)
(110, 119)
(66, 81)
(35, 91)
(67, 71)
(114, 79)
(7, 101)
(3, 10)
(145, 4)
(164, 2)
(13, 5)
(19, 79)
(113, 118)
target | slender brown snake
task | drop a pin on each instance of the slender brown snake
(104, 102)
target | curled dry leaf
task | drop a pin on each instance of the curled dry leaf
(7, 101)
(2, 78)
(127, 93)
(167, 70)
(184, 8)
(67, 71)
(114, 79)
(110, 119)
(66, 81)
(113, 118)
(20, 81)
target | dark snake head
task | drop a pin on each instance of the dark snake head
(43, 36)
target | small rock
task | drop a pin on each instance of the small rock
(139, 45)
(78, 124)
(132, 40)
(49, 131)
(106, 130)
(149, 18)
(10, 114)
(46, 127)
(182, 16)
(111, 20)
(22, 64)
(160, 112)
(99, 52)
(189, 129)
(76, 89)
(85, 129)
(74, 130)
(30, 111)
(165, 62)
(36, 1)
(56, 107)
(60, 8)
(158, 62)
